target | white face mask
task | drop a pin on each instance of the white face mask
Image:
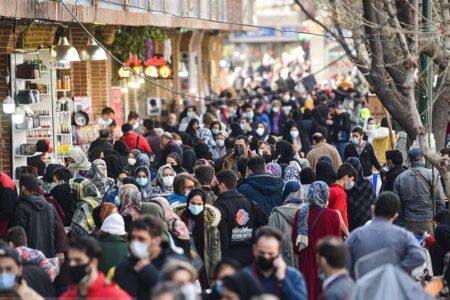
(131, 161)
(349, 186)
(189, 291)
(190, 114)
(276, 109)
(260, 131)
(168, 180)
(260, 152)
(294, 133)
(370, 126)
(139, 249)
(136, 126)
(220, 143)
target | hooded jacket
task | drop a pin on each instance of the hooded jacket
(263, 189)
(8, 200)
(212, 253)
(37, 217)
(240, 218)
(282, 218)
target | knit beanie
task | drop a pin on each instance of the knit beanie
(114, 225)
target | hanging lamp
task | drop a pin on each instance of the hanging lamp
(9, 106)
(92, 51)
(18, 116)
(64, 52)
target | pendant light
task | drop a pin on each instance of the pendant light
(18, 116)
(92, 51)
(9, 106)
(183, 72)
(64, 52)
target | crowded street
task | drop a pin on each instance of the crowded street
(224, 150)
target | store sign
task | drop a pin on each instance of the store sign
(124, 72)
(158, 68)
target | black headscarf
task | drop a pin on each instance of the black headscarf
(235, 129)
(48, 176)
(122, 148)
(307, 176)
(114, 165)
(62, 193)
(442, 235)
(191, 131)
(178, 168)
(286, 152)
(325, 172)
(443, 217)
(244, 284)
(189, 160)
(202, 151)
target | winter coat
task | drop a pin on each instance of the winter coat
(415, 197)
(231, 161)
(25, 292)
(282, 218)
(323, 149)
(390, 178)
(8, 201)
(99, 289)
(135, 141)
(263, 189)
(240, 219)
(212, 252)
(114, 249)
(34, 214)
(97, 147)
(366, 157)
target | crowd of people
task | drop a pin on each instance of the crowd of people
(268, 197)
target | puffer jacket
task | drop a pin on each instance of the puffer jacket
(282, 218)
(263, 189)
(415, 197)
(212, 252)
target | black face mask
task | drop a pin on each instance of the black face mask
(77, 273)
(239, 150)
(264, 264)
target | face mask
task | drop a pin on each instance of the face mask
(72, 165)
(220, 143)
(109, 122)
(250, 115)
(260, 131)
(189, 291)
(136, 126)
(186, 194)
(139, 249)
(294, 134)
(322, 276)
(78, 273)
(117, 201)
(195, 209)
(243, 126)
(52, 185)
(131, 161)
(168, 180)
(239, 151)
(215, 131)
(286, 98)
(276, 109)
(261, 152)
(7, 281)
(189, 114)
(370, 127)
(142, 181)
(264, 264)
(355, 141)
(218, 286)
(349, 186)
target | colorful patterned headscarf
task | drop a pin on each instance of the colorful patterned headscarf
(130, 201)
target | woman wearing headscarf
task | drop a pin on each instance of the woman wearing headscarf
(261, 133)
(48, 177)
(155, 209)
(235, 129)
(325, 172)
(174, 160)
(191, 130)
(122, 148)
(219, 150)
(311, 223)
(289, 161)
(99, 176)
(360, 198)
(297, 137)
(87, 199)
(62, 193)
(144, 181)
(78, 162)
(201, 150)
(277, 118)
(282, 218)
(130, 203)
(113, 163)
(164, 182)
(307, 176)
(202, 220)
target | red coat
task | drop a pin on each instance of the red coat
(98, 290)
(327, 225)
(135, 141)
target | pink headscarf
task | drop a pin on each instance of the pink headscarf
(177, 226)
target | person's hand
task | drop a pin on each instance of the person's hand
(61, 258)
(280, 268)
(141, 264)
(329, 122)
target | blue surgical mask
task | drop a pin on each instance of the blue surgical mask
(72, 165)
(322, 276)
(7, 281)
(218, 287)
(195, 209)
(215, 131)
(117, 201)
(356, 141)
(250, 115)
(142, 181)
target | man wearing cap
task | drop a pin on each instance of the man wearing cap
(415, 187)
(394, 161)
(11, 274)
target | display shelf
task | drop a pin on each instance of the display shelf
(20, 155)
(39, 138)
(63, 90)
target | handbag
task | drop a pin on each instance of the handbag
(27, 71)
(24, 170)
(28, 97)
(30, 121)
(27, 149)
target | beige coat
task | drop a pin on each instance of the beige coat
(25, 292)
(324, 149)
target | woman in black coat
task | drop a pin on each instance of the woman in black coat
(294, 134)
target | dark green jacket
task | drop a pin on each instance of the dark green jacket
(114, 249)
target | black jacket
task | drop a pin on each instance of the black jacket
(240, 218)
(367, 157)
(218, 163)
(37, 279)
(390, 178)
(340, 130)
(97, 147)
(34, 214)
(139, 285)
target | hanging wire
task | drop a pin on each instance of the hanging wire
(188, 95)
